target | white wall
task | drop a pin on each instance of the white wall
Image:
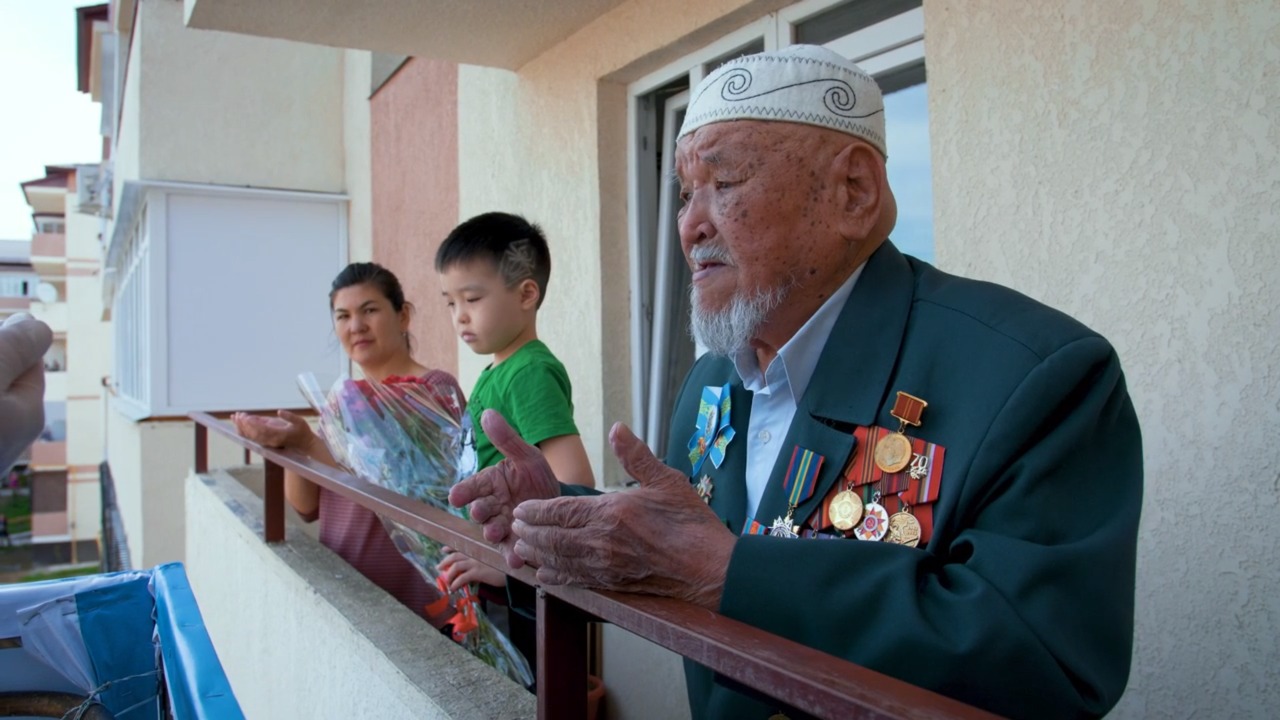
(148, 462)
(125, 155)
(1121, 161)
(88, 360)
(230, 109)
(357, 69)
(241, 276)
(336, 645)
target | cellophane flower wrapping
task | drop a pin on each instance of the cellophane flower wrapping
(409, 435)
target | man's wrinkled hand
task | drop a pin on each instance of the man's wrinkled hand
(660, 538)
(493, 493)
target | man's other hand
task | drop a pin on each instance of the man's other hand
(660, 539)
(494, 493)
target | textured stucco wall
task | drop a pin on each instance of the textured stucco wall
(88, 354)
(550, 142)
(414, 133)
(547, 142)
(148, 463)
(124, 156)
(230, 109)
(1121, 161)
(301, 634)
(357, 154)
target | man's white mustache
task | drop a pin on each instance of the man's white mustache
(703, 254)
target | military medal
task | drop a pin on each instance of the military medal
(714, 431)
(802, 477)
(704, 488)
(904, 528)
(782, 527)
(846, 510)
(875, 521)
(893, 451)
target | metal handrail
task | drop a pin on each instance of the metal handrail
(794, 675)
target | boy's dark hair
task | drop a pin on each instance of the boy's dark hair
(370, 274)
(514, 245)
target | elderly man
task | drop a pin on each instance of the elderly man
(936, 478)
(23, 342)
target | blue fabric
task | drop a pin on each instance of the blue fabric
(115, 623)
(198, 688)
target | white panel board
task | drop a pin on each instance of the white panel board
(247, 290)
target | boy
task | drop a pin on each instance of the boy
(493, 272)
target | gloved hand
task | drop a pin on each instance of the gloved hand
(23, 342)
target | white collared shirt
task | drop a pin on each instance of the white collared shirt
(776, 392)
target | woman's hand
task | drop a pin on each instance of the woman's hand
(286, 430)
(460, 570)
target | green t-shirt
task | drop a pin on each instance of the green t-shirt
(531, 390)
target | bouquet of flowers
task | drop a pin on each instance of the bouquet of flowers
(408, 435)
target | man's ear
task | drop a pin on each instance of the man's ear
(529, 294)
(859, 175)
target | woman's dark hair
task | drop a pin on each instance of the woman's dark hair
(370, 274)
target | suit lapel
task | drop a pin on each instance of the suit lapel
(850, 383)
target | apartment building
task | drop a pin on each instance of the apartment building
(1114, 160)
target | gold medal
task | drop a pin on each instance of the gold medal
(893, 452)
(904, 529)
(846, 510)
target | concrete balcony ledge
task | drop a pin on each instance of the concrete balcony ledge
(47, 454)
(51, 247)
(302, 634)
(513, 31)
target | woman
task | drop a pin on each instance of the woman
(371, 320)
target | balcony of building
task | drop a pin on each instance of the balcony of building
(49, 254)
(11, 305)
(49, 455)
(438, 28)
(375, 658)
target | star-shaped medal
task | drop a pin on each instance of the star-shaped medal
(704, 488)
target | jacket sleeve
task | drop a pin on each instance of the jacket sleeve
(1023, 604)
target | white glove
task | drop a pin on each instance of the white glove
(23, 342)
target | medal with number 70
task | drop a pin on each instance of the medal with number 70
(893, 451)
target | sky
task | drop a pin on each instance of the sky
(44, 120)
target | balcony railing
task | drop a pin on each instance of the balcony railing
(115, 547)
(794, 675)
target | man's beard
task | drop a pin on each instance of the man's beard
(725, 332)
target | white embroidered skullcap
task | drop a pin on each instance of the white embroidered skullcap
(800, 84)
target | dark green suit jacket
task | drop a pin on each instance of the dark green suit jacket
(1022, 601)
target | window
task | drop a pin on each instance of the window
(54, 227)
(885, 37)
(218, 296)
